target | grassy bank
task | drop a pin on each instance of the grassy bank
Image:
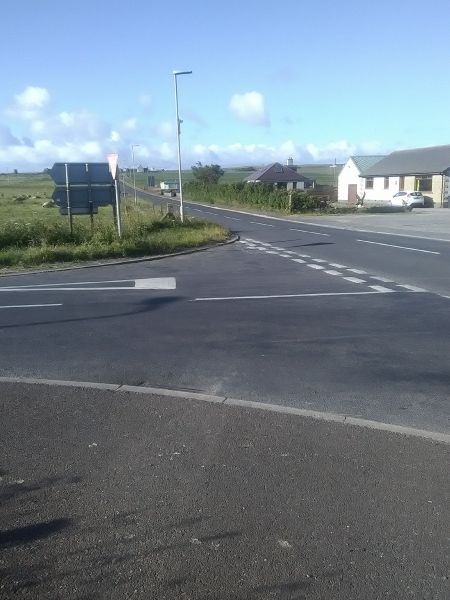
(31, 235)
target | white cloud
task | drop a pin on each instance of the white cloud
(78, 135)
(33, 97)
(29, 103)
(249, 108)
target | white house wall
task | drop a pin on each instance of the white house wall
(378, 192)
(349, 175)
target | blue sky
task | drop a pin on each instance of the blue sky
(313, 80)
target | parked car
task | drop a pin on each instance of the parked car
(408, 199)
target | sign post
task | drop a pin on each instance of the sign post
(113, 160)
(69, 211)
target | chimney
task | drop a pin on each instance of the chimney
(290, 163)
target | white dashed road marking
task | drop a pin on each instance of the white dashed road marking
(263, 224)
(357, 271)
(324, 266)
(383, 279)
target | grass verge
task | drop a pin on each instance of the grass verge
(31, 235)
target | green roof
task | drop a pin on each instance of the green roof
(365, 162)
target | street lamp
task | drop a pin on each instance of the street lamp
(133, 146)
(179, 121)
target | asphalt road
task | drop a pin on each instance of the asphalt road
(113, 495)
(305, 316)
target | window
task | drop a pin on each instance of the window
(386, 183)
(424, 183)
(401, 185)
(369, 183)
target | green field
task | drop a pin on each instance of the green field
(33, 235)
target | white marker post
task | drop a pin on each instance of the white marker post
(69, 208)
(113, 160)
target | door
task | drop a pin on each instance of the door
(352, 193)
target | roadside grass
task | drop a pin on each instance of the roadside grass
(31, 235)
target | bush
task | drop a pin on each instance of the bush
(258, 195)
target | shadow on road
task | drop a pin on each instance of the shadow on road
(31, 533)
(148, 305)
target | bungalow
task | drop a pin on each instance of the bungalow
(426, 170)
(280, 177)
(350, 182)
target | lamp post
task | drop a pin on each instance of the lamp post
(133, 146)
(179, 121)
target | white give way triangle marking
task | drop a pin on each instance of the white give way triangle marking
(151, 283)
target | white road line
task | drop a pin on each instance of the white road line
(152, 283)
(48, 285)
(315, 267)
(303, 255)
(311, 232)
(298, 260)
(401, 247)
(30, 305)
(278, 248)
(198, 210)
(357, 271)
(354, 279)
(337, 266)
(319, 260)
(232, 218)
(383, 279)
(287, 296)
(156, 283)
(411, 288)
(332, 272)
(380, 288)
(285, 255)
(323, 225)
(290, 252)
(263, 224)
(271, 252)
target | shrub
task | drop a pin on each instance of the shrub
(258, 195)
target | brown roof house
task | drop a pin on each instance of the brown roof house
(281, 177)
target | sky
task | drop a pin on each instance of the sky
(315, 81)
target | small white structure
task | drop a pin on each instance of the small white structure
(350, 183)
(169, 185)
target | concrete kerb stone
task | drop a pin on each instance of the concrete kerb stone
(236, 402)
(124, 261)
